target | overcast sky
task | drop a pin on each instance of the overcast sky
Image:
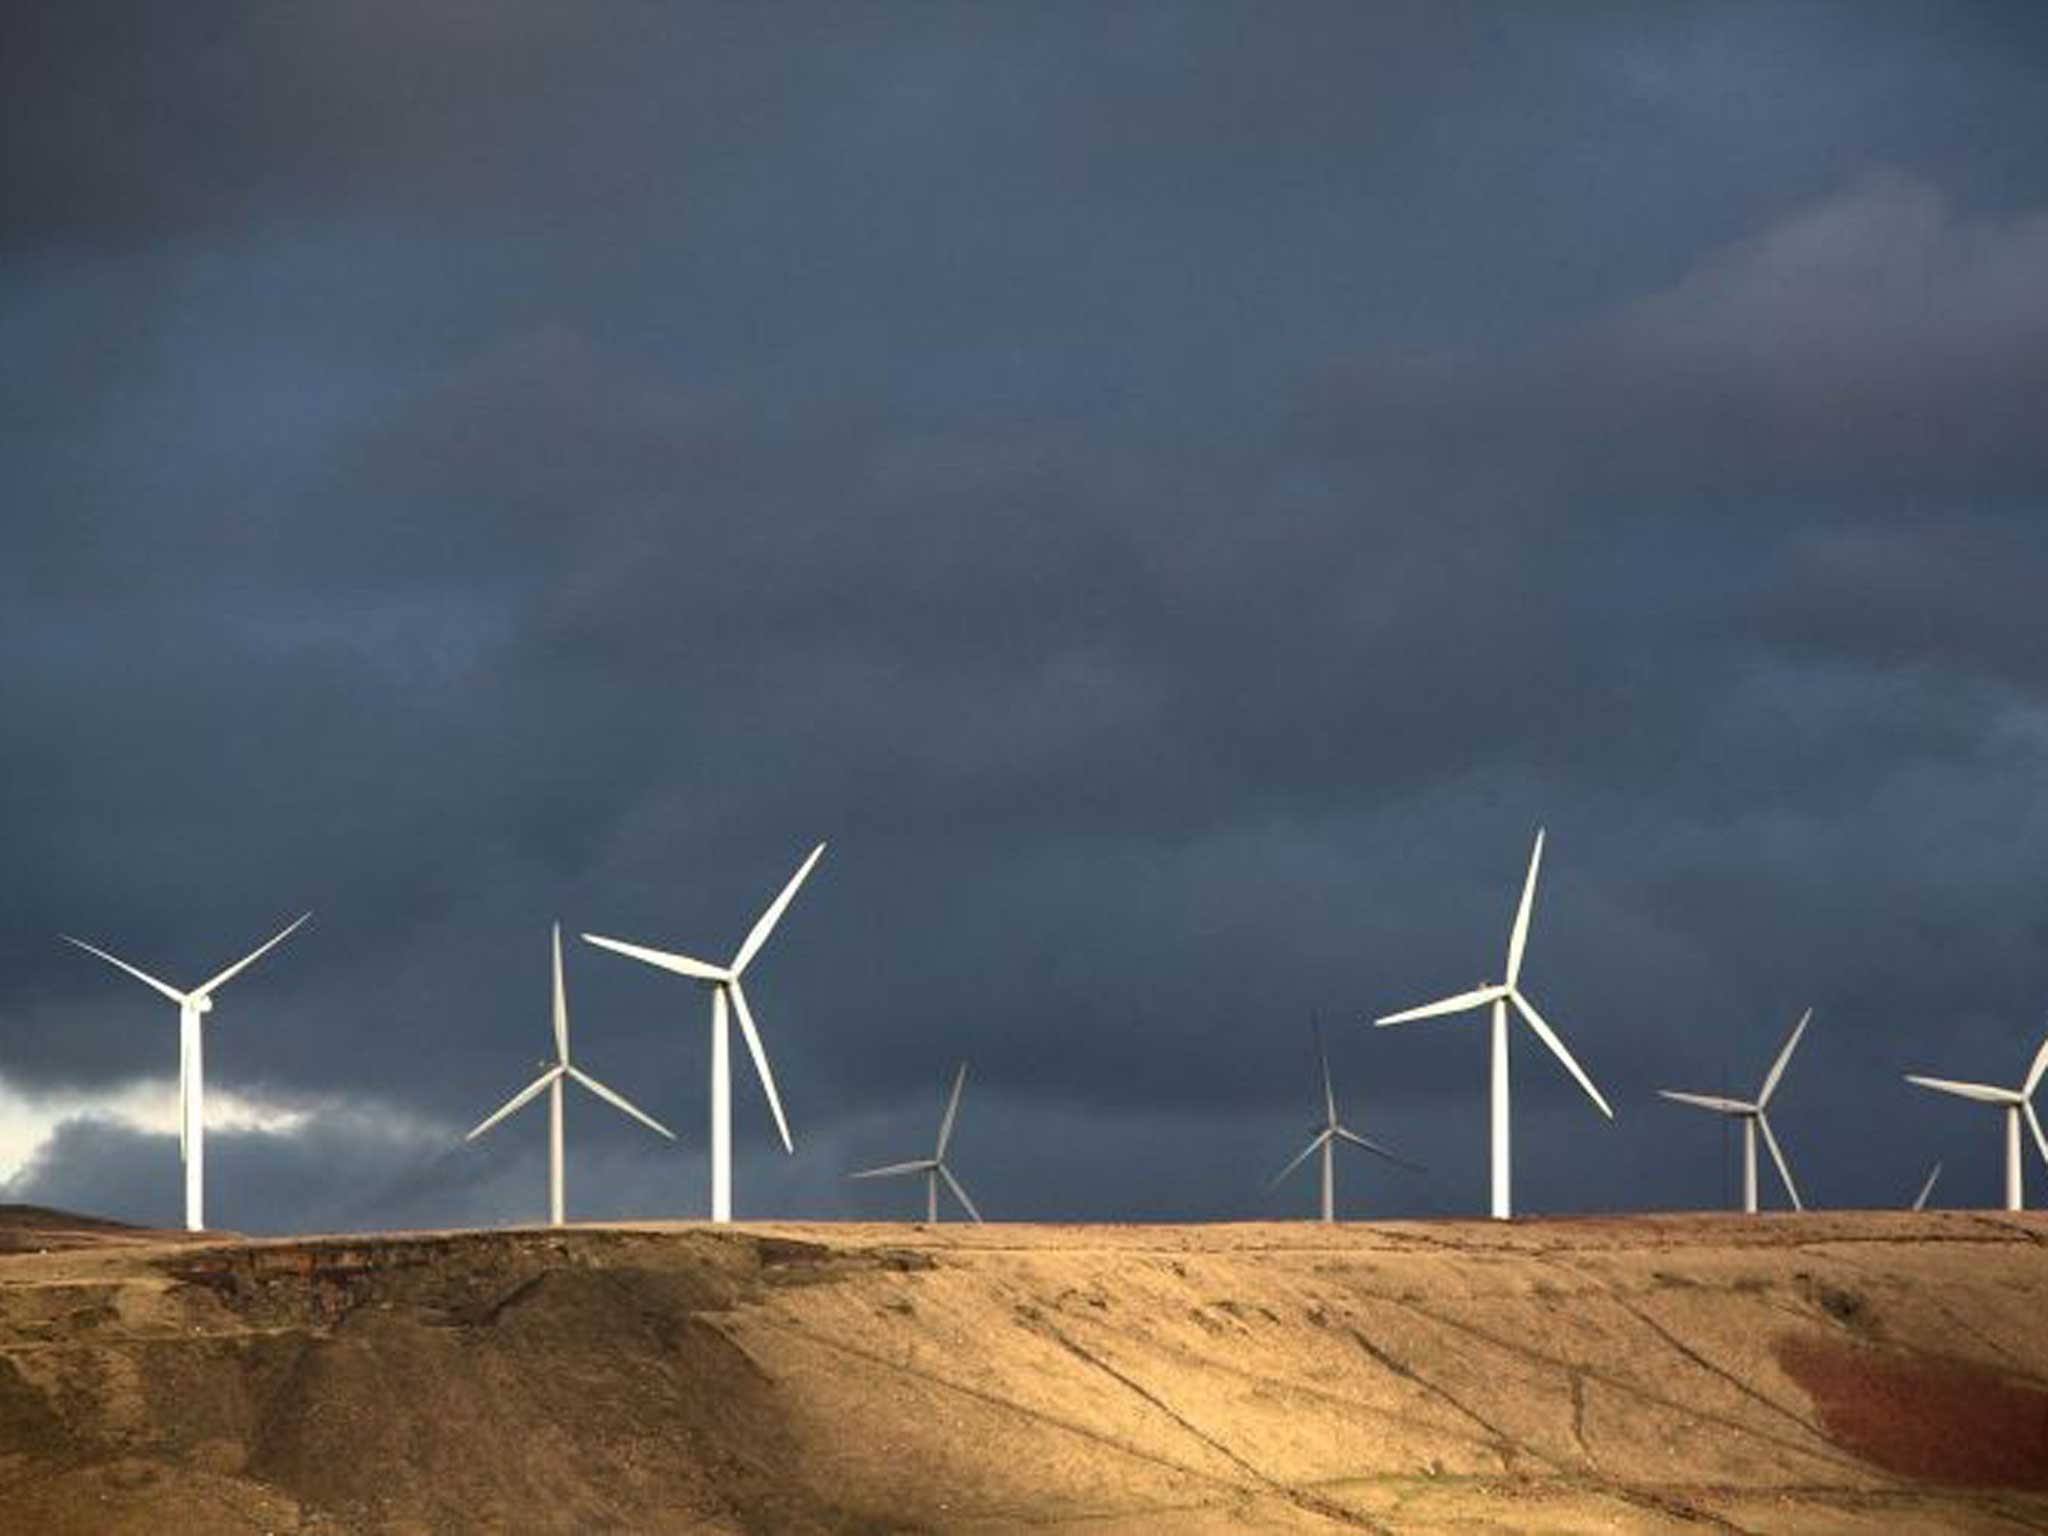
(1175, 495)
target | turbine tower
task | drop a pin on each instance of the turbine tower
(934, 1167)
(727, 994)
(1500, 996)
(1753, 1120)
(552, 1079)
(1326, 1137)
(192, 1007)
(2017, 1104)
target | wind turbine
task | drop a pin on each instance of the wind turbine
(726, 992)
(1499, 996)
(1326, 1138)
(1920, 1200)
(192, 1006)
(1753, 1120)
(2017, 1103)
(934, 1167)
(552, 1079)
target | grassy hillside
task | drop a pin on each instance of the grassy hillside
(1834, 1373)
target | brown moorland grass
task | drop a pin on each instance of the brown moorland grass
(1828, 1373)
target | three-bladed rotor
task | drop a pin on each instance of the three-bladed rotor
(1509, 991)
(1333, 1130)
(564, 1068)
(933, 1167)
(551, 1078)
(193, 1005)
(200, 998)
(1753, 1113)
(726, 979)
(2018, 1103)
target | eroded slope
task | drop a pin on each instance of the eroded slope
(1831, 1373)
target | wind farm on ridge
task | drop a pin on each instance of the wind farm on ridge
(1502, 1000)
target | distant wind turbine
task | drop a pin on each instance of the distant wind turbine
(192, 1006)
(726, 991)
(2017, 1104)
(1326, 1137)
(1753, 1120)
(1499, 997)
(551, 1079)
(1920, 1200)
(934, 1167)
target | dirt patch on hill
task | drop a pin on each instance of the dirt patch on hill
(1944, 1421)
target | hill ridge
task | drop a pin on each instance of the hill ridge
(1832, 1372)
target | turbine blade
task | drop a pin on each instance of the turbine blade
(1518, 940)
(1300, 1157)
(765, 924)
(1920, 1200)
(517, 1102)
(1329, 1093)
(1778, 1066)
(1983, 1093)
(140, 975)
(252, 957)
(892, 1170)
(753, 1037)
(1549, 1037)
(1708, 1101)
(2038, 1070)
(1476, 998)
(682, 965)
(619, 1101)
(959, 1193)
(1777, 1156)
(561, 1004)
(2034, 1124)
(1368, 1144)
(952, 1109)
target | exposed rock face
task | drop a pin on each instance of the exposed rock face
(1832, 1373)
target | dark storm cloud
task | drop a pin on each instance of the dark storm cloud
(127, 124)
(1175, 497)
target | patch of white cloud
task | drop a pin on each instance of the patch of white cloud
(149, 1105)
(1884, 279)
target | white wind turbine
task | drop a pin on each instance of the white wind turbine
(1499, 996)
(726, 991)
(1753, 1120)
(1325, 1140)
(934, 1167)
(2017, 1104)
(552, 1079)
(192, 1006)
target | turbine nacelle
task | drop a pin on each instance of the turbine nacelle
(199, 1002)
